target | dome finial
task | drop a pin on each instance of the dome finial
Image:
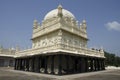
(59, 6)
(60, 11)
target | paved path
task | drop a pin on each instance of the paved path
(10, 74)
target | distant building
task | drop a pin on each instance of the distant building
(7, 57)
(59, 46)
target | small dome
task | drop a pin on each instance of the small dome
(54, 13)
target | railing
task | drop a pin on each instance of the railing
(53, 25)
(61, 47)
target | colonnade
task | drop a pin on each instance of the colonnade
(64, 64)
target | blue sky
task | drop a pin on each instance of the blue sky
(102, 16)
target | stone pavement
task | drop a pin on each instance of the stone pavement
(10, 74)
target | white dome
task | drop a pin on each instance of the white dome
(54, 13)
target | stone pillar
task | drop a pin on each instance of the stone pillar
(95, 64)
(67, 63)
(33, 64)
(21, 64)
(103, 62)
(39, 66)
(27, 64)
(77, 64)
(24, 64)
(91, 64)
(86, 64)
(82, 64)
(59, 64)
(36, 64)
(52, 64)
(46, 58)
(18, 64)
(24, 67)
(98, 62)
(74, 65)
(15, 65)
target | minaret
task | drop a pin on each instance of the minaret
(1, 47)
(35, 24)
(84, 26)
(101, 50)
(60, 11)
(17, 48)
(80, 25)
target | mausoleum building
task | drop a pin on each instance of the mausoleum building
(59, 46)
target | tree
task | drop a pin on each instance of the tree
(112, 59)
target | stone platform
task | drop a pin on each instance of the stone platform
(10, 74)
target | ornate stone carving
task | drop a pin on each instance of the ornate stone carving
(60, 33)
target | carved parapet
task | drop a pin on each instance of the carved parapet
(64, 47)
(45, 30)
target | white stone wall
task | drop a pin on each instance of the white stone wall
(44, 41)
(59, 37)
(73, 40)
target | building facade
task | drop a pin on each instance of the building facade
(7, 57)
(59, 46)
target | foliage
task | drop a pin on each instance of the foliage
(112, 59)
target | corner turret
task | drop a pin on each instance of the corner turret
(83, 26)
(35, 24)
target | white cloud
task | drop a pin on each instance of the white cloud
(113, 25)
